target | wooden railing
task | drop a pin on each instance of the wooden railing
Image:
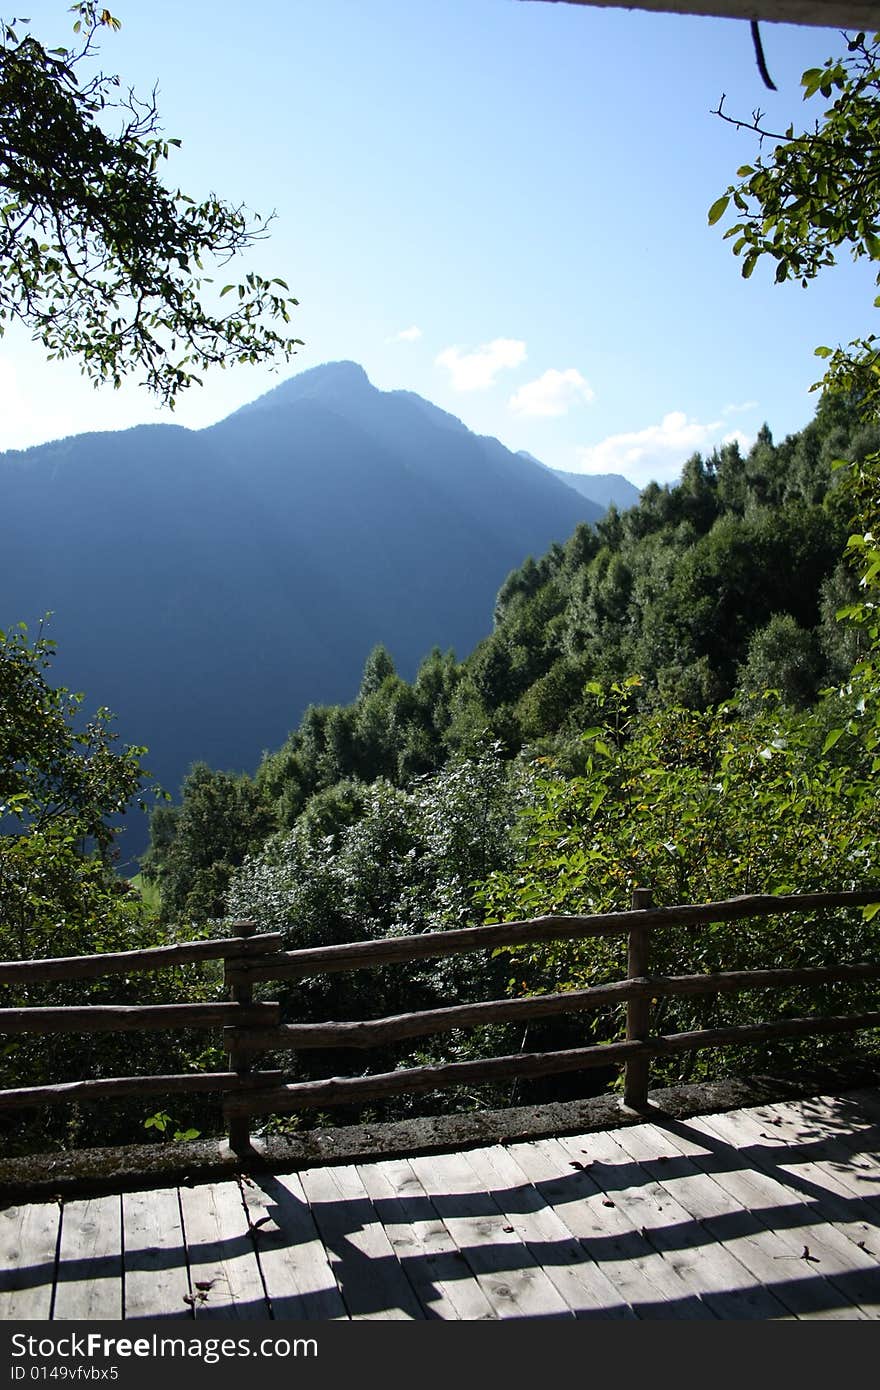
(242, 947)
(251, 1028)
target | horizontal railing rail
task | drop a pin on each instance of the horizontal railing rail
(244, 944)
(394, 950)
(251, 1027)
(97, 967)
(112, 1087)
(443, 1075)
(132, 1018)
(297, 1037)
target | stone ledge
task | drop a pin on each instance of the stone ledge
(91, 1172)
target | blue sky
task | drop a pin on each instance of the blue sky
(499, 204)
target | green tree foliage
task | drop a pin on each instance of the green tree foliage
(393, 729)
(699, 806)
(379, 666)
(63, 785)
(195, 849)
(399, 859)
(782, 657)
(62, 782)
(818, 192)
(372, 861)
(675, 588)
(98, 258)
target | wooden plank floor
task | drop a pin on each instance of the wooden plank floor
(767, 1213)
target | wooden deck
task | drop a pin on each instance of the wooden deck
(771, 1212)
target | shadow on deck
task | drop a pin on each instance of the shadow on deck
(769, 1211)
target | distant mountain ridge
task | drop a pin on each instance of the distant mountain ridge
(208, 585)
(606, 489)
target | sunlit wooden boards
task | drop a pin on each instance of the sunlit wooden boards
(294, 1262)
(28, 1247)
(156, 1280)
(767, 1213)
(89, 1277)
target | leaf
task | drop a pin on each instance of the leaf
(811, 81)
(718, 209)
(832, 737)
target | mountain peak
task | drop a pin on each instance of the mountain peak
(329, 382)
(344, 375)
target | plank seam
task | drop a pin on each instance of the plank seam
(122, 1291)
(57, 1263)
(191, 1303)
(256, 1244)
(588, 1259)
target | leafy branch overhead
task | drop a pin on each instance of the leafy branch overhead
(817, 192)
(98, 258)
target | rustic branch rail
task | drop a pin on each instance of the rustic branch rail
(317, 960)
(255, 1027)
(441, 1076)
(107, 1087)
(375, 1032)
(132, 1018)
(19, 972)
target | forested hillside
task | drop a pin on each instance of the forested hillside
(664, 701)
(726, 584)
(667, 699)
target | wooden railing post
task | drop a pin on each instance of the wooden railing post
(638, 1011)
(240, 1060)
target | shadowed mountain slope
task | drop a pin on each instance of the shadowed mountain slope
(208, 585)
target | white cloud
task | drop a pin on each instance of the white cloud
(407, 335)
(552, 394)
(739, 409)
(476, 371)
(745, 441)
(656, 453)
